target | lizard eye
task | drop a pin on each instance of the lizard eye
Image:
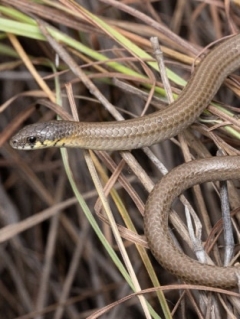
(31, 139)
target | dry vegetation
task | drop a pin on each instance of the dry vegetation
(62, 254)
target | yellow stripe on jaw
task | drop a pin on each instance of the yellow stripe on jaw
(35, 146)
(47, 143)
(38, 145)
